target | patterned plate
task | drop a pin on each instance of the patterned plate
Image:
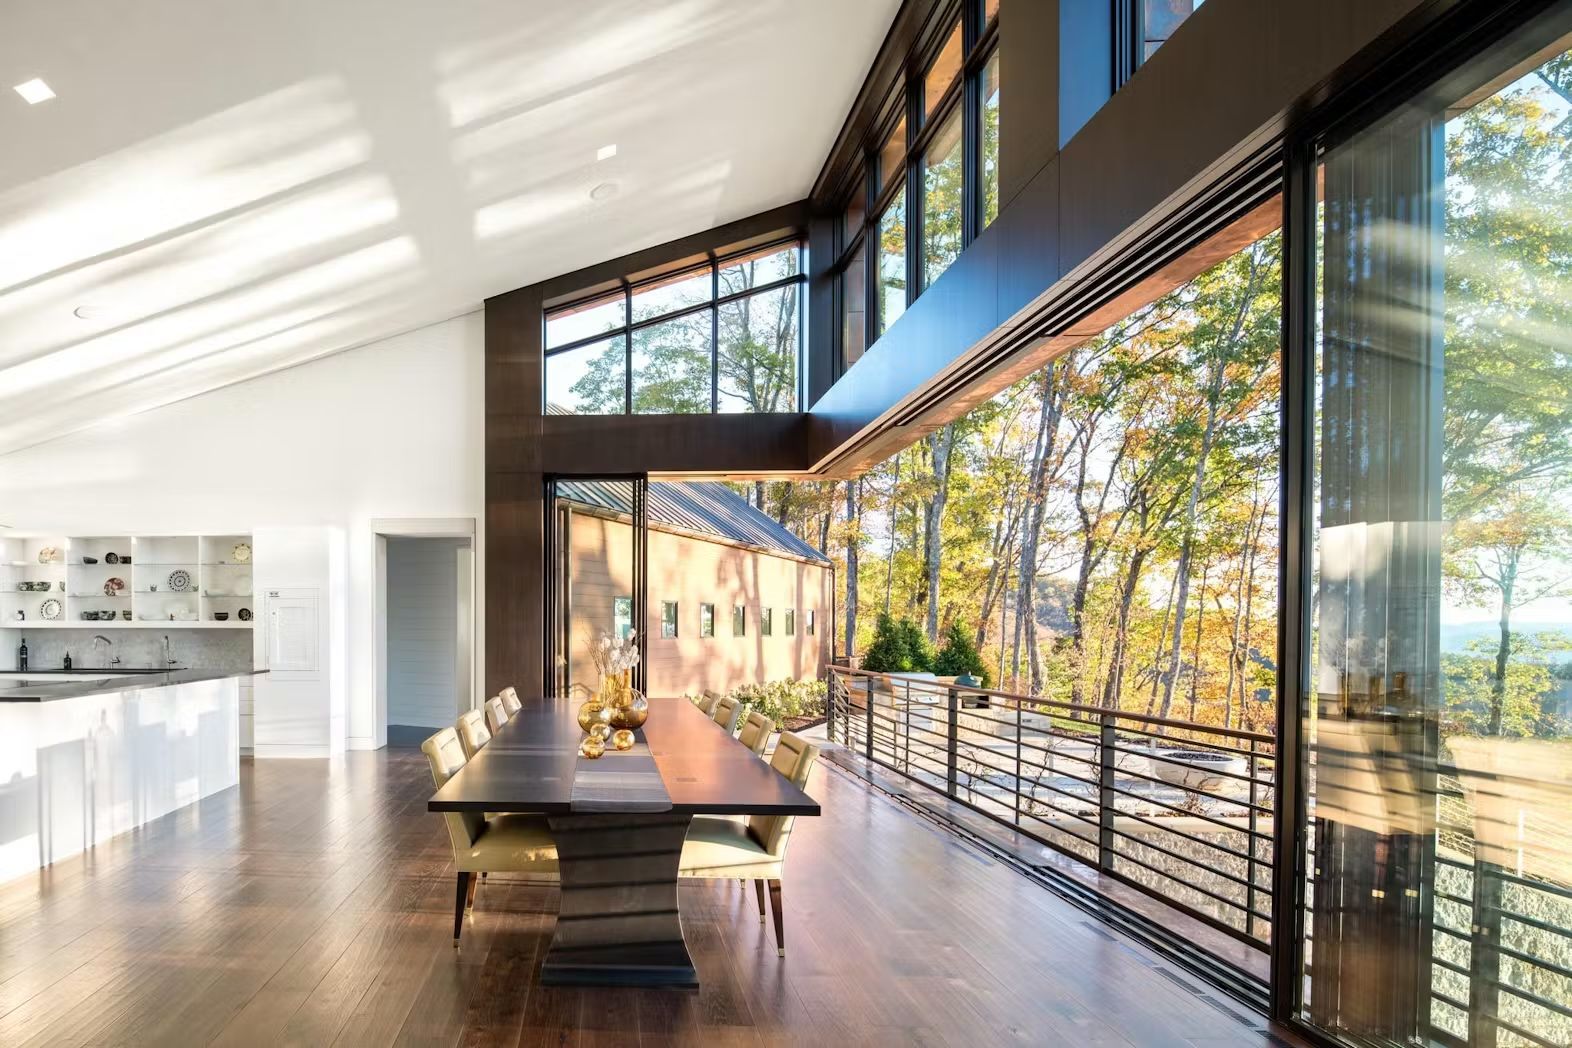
(50, 609)
(179, 580)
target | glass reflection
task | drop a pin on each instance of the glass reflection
(1439, 718)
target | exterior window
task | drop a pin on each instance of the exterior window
(1159, 19)
(791, 622)
(739, 620)
(856, 214)
(706, 620)
(988, 154)
(810, 623)
(892, 156)
(854, 304)
(942, 199)
(942, 73)
(766, 622)
(661, 335)
(621, 617)
(758, 351)
(668, 618)
(892, 263)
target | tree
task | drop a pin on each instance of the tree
(959, 656)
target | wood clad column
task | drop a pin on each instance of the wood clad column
(515, 503)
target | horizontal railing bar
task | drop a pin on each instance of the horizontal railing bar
(1510, 1027)
(1539, 886)
(1240, 881)
(1221, 798)
(1223, 900)
(1194, 815)
(1199, 841)
(1217, 746)
(1534, 922)
(1095, 712)
(1533, 998)
(1450, 966)
(1264, 783)
(1532, 961)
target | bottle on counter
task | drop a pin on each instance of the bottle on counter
(21, 655)
(68, 660)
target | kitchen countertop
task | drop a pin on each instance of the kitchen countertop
(76, 683)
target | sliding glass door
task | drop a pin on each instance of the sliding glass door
(1436, 719)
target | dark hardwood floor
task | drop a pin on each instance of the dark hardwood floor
(312, 906)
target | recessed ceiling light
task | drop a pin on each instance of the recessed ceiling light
(35, 91)
(606, 152)
(604, 191)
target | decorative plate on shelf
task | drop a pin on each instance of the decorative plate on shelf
(111, 558)
(245, 614)
(50, 609)
(48, 555)
(113, 586)
(241, 553)
(179, 580)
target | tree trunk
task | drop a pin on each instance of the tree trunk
(889, 561)
(933, 540)
(1034, 511)
(853, 535)
(1114, 685)
(1200, 622)
(1508, 582)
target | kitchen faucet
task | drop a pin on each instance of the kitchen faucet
(99, 638)
(169, 659)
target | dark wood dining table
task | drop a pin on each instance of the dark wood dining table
(618, 850)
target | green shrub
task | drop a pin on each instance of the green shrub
(780, 699)
(959, 656)
(898, 647)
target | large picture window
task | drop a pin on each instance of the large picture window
(928, 179)
(725, 336)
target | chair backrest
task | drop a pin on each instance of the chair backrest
(707, 702)
(510, 701)
(446, 756)
(496, 716)
(726, 713)
(793, 758)
(756, 731)
(472, 732)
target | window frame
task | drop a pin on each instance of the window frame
(766, 622)
(905, 101)
(713, 264)
(809, 623)
(790, 622)
(706, 628)
(616, 603)
(675, 611)
(739, 620)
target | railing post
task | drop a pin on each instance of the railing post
(1105, 791)
(1484, 984)
(1017, 790)
(867, 701)
(829, 705)
(1250, 850)
(952, 717)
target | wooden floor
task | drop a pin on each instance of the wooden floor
(312, 906)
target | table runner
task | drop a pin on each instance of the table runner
(619, 781)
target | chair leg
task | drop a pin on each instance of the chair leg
(780, 927)
(758, 887)
(458, 907)
(469, 901)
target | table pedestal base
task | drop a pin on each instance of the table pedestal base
(618, 924)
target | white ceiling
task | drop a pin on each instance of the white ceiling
(232, 187)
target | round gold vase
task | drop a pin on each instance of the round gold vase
(631, 711)
(593, 714)
(622, 739)
(592, 747)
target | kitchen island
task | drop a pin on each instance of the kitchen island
(86, 756)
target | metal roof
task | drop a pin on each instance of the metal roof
(701, 507)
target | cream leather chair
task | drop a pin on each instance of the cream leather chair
(708, 701)
(725, 714)
(496, 716)
(510, 701)
(472, 733)
(718, 848)
(498, 844)
(756, 732)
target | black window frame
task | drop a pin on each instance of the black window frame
(979, 44)
(706, 620)
(626, 289)
(790, 622)
(665, 604)
(808, 624)
(739, 620)
(766, 622)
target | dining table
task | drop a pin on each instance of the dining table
(619, 822)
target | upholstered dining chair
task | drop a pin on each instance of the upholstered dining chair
(472, 733)
(725, 714)
(719, 849)
(496, 716)
(756, 732)
(486, 844)
(510, 701)
(707, 703)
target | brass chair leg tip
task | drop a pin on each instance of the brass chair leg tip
(455, 944)
(780, 951)
(761, 918)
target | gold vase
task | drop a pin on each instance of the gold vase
(630, 711)
(622, 739)
(592, 747)
(594, 714)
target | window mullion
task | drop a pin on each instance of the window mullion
(714, 338)
(627, 350)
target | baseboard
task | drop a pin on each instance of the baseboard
(264, 751)
(355, 742)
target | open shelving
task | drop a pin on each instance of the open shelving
(178, 581)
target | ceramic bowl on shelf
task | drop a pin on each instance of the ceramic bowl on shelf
(89, 560)
(220, 616)
(245, 614)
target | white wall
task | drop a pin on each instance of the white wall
(391, 430)
(423, 628)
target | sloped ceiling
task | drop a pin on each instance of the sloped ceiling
(222, 189)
